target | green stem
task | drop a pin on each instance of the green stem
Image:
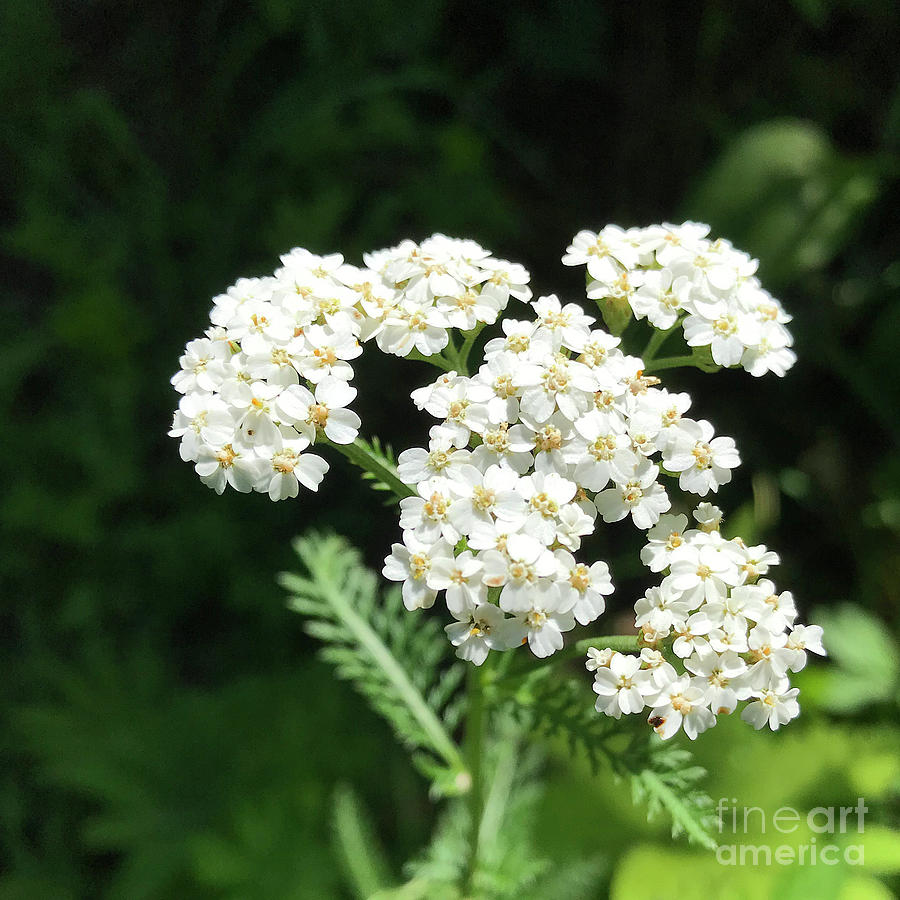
(671, 362)
(474, 750)
(361, 454)
(623, 643)
(499, 792)
(436, 360)
(657, 339)
(462, 357)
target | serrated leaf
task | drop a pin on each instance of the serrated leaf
(393, 657)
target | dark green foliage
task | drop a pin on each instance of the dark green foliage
(151, 153)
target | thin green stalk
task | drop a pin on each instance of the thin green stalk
(436, 360)
(462, 356)
(360, 453)
(671, 362)
(499, 792)
(474, 747)
(357, 847)
(657, 339)
(623, 643)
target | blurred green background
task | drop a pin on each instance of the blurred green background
(166, 729)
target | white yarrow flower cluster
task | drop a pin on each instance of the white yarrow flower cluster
(674, 273)
(271, 376)
(557, 427)
(733, 634)
(272, 372)
(439, 284)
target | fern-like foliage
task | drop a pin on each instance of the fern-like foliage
(555, 705)
(510, 865)
(394, 658)
(669, 785)
(660, 773)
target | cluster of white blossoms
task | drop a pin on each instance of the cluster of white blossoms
(732, 632)
(272, 373)
(673, 274)
(428, 288)
(557, 427)
(270, 377)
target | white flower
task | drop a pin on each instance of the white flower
(521, 338)
(546, 495)
(221, 466)
(428, 515)
(606, 254)
(568, 325)
(328, 352)
(492, 535)
(201, 366)
(460, 577)
(721, 676)
(424, 397)
(771, 656)
(583, 585)
(766, 606)
(599, 348)
(289, 468)
(598, 659)
(756, 561)
(520, 570)
(771, 353)
(674, 242)
(411, 562)
(661, 609)
(548, 441)
(441, 457)
(622, 686)
(201, 419)
(663, 539)
(691, 636)
(257, 426)
(564, 385)
(803, 638)
(640, 497)
(703, 572)
(408, 327)
(704, 462)
(661, 298)
(709, 517)
(503, 280)
(573, 522)
(542, 614)
(486, 495)
(622, 287)
(727, 335)
(499, 384)
(773, 706)
(602, 453)
(480, 628)
(671, 409)
(681, 704)
(497, 448)
(461, 415)
(257, 325)
(322, 412)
